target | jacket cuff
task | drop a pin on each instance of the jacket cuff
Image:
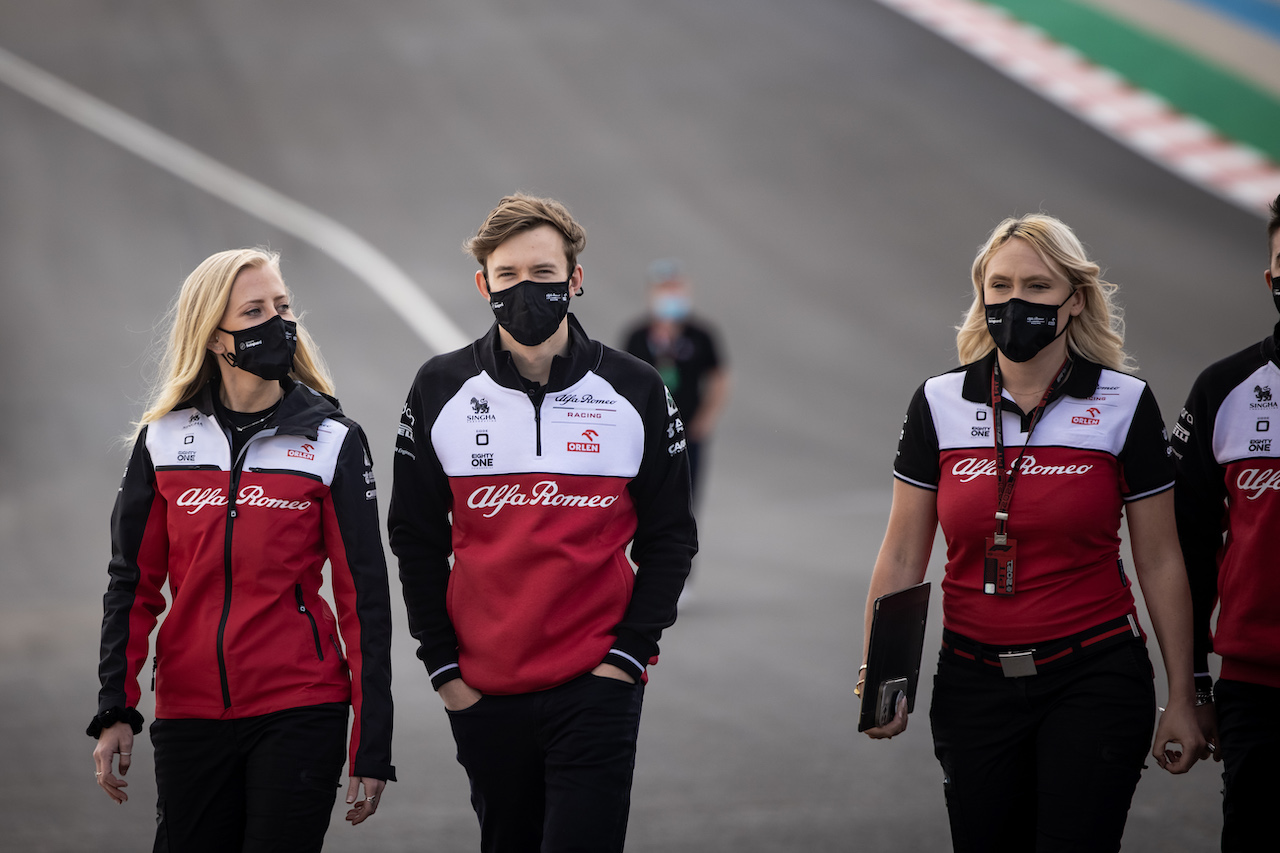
(444, 675)
(111, 716)
(375, 770)
(625, 662)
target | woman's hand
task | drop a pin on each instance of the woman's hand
(896, 726)
(115, 740)
(366, 806)
(1207, 717)
(1178, 725)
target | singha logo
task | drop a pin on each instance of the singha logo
(480, 407)
(1263, 394)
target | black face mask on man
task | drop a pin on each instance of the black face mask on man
(531, 311)
(266, 349)
(1021, 329)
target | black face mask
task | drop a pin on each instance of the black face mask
(1275, 292)
(1021, 329)
(266, 349)
(531, 311)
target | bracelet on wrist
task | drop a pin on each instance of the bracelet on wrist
(1204, 697)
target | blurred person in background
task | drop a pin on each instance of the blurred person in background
(534, 457)
(253, 675)
(1229, 483)
(1028, 455)
(687, 354)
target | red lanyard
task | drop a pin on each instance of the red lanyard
(1006, 478)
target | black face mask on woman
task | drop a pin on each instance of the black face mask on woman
(531, 311)
(266, 349)
(1021, 329)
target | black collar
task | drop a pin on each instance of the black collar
(302, 409)
(1081, 382)
(584, 355)
(1269, 346)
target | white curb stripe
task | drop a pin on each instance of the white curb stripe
(1138, 119)
(329, 236)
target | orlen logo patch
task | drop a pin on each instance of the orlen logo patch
(304, 453)
(588, 446)
(1092, 420)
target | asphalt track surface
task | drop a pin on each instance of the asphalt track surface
(824, 168)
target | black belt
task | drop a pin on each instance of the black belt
(1042, 657)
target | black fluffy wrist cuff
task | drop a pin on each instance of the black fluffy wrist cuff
(111, 716)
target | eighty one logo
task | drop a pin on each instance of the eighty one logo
(197, 499)
(1257, 481)
(544, 493)
(971, 468)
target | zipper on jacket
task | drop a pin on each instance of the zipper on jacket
(536, 396)
(315, 631)
(233, 490)
(337, 648)
(155, 662)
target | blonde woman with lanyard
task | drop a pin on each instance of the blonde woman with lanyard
(245, 479)
(1043, 702)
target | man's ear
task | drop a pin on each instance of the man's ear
(482, 284)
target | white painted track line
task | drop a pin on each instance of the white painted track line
(336, 240)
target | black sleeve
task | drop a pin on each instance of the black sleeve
(136, 575)
(359, 573)
(1200, 507)
(1146, 460)
(666, 536)
(420, 530)
(917, 460)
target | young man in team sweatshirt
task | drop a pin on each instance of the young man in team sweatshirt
(1227, 444)
(553, 470)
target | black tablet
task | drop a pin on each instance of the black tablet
(893, 659)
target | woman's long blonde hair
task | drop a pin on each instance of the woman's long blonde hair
(187, 364)
(1096, 334)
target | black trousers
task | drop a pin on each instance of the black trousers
(1047, 762)
(256, 784)
(1249, 734)
(551, 771)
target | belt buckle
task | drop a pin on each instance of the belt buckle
(1018, 664)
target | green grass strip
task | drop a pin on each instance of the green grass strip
(1237, 108)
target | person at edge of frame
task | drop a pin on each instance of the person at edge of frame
(253, 675)
(535, 455)
(1228, 476)
(1028, 454)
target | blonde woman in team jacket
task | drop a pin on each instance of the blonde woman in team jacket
(245, 479)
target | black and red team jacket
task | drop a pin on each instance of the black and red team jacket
(248, 632)
(546, 488)
(1228, 452)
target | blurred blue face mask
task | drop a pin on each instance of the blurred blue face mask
(671, 306)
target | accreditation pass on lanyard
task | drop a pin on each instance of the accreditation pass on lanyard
(998, 570)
